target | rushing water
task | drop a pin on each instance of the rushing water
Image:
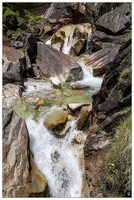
(57, 158)
(88, 48)
(88, 78)
(67, 44)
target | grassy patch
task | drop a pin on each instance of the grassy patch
(125, 73)
(119, 159)
(22, 14)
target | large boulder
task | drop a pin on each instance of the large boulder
(101, 8)
(10, 77)
(15, 156)
(54, 63)
(115, 94)
(116, 21)
(101, 40)
(101, 59)
(55, 117)
(38, 187)
(13, 60)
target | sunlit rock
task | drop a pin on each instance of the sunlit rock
(77, 139)
(55, 117)
(10, 95)
(38, 182)
(55, 82)
(57, 64)
(70, 117)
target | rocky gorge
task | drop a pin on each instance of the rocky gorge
(66, 87)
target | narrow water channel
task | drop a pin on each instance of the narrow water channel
(60, 159)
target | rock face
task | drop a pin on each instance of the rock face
(15, 156)
(110, 104)
(121, 17)
(10, 77)
(113, 101)
(117, 94)
(57, 64)
(102, 8)
(38, 185)
(101, 40)
(101, 59)
(13, 60)
(73, 11)
(10, 95)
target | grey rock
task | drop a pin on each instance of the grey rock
(15, 156)
(18, 44)
(57, 64)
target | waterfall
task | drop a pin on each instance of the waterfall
(88, 48)
(88, 78)
(57, 158)
(48, 42)
(67, 44)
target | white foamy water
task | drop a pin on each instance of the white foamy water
(88, 78)
(88, 48)
(67, 44)
(57, 158)
(48, 42)
(32, 87)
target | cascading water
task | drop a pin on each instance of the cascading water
(67, 44)
(88, 78)
(48, 42)
(88, 48)
(57, 158)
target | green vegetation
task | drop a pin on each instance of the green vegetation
(119, 159)
(125, 73)
(21, 14)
